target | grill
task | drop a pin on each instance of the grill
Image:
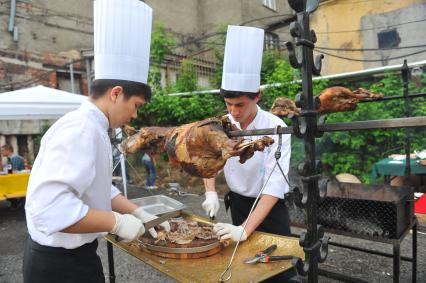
(360, 210)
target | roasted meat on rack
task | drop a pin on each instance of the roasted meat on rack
(200, 148)
(332, 99)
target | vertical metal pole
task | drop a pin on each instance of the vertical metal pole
(122, 164)
(396, 261)
(88, 76)
(414, 251)
(12, 16)
(309, 145)
(72, 77)
(407, 112)
(111, 262)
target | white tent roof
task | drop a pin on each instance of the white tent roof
(37, 103)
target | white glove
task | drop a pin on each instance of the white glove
(229, 231)
(211, 204)
(145, 217)
(127, 227)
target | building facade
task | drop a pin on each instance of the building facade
(357, 35)
(49, 42)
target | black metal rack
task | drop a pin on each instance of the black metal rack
(314, 242)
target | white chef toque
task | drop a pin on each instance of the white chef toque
(243, 59)
(122, 38)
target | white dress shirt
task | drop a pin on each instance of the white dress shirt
(72, 173)
(247, 179)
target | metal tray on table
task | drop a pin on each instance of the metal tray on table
(159, 204)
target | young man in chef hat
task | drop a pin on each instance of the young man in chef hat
(70, 199)
(240, 89)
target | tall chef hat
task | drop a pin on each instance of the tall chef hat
(122, 41)
(243, 59)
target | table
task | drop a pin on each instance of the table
(194, 270)
(391, 167)
(13, 185)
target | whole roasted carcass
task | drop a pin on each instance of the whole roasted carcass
(200, 148)
(332, 99)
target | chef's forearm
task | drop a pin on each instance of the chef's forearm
(210, 184)
(266, 203)
(95, 221)
(122, 205)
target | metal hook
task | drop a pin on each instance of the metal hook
(228, 269)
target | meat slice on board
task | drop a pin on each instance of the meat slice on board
(200, 148)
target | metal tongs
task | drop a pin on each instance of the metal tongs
(265, 257)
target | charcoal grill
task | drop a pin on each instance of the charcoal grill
(365, 211)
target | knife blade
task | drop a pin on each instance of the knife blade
(157, 221)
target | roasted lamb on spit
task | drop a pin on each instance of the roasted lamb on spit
(200, 148)
(332, 99)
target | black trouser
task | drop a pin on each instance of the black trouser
(49, 264)
(277, 222)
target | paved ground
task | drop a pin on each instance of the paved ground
(370, 268)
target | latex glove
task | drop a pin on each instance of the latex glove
(211, 204)
(145, 217)
(127, 227)
(229, 231)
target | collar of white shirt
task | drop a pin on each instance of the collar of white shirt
(97, 113)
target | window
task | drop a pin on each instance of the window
(272, 41)
(64, 82)
(388, 39)
(271, 4)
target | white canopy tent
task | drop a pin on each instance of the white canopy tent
(42, 103)
(38, 103)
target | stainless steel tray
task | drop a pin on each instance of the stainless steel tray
(159, 204)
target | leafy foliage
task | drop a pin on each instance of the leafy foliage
(352, 152)
(356, 151)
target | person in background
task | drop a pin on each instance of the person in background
(70, 199)
(17, 161)
(151, 172)
(116, 155)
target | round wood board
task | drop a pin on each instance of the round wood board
(184, 255)
(197, 248)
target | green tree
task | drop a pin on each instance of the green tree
(161, 45)
(187, 80)
(356, 151)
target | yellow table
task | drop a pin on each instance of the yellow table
(13, 185)
(209, 269)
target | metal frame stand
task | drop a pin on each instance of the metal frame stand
(111, 262)
(396, 256)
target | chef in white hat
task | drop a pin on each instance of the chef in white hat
(70, 199)
(240, 89)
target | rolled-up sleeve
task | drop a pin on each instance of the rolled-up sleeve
(277, 186)
(114, 191)
(65, 172)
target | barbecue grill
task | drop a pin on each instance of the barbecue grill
(365, 211)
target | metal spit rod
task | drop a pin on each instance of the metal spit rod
(410, 122)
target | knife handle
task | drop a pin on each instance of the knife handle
(268, 250)
(267, 259)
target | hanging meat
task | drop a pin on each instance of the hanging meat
(339, 99)
(284, 107)
(332, 99)
(200, 148)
